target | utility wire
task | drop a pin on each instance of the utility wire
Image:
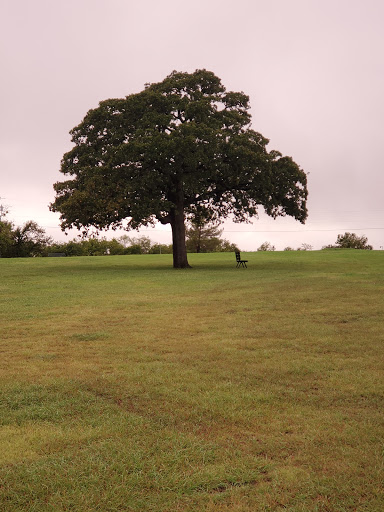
(253, 231)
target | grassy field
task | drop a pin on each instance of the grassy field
(129, 386)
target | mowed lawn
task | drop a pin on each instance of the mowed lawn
(127, 385)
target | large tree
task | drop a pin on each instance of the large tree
(180, 148)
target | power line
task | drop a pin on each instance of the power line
(255, 230)
(298, 231)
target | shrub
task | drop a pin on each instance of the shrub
(266, 246)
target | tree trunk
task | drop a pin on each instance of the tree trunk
(178, 239)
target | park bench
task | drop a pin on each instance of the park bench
(239, 261)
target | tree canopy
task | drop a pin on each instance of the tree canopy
(22, 241)
(350, 241)
(181, 148)
(353, 241)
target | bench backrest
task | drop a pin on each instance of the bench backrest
(237, 256)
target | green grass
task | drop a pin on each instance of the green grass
(129, 386)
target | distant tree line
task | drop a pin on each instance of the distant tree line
(30, 240)
(267, 246)
(346, 241)
(303, 247)
(93, 246)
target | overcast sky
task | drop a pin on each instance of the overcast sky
(314, 71)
